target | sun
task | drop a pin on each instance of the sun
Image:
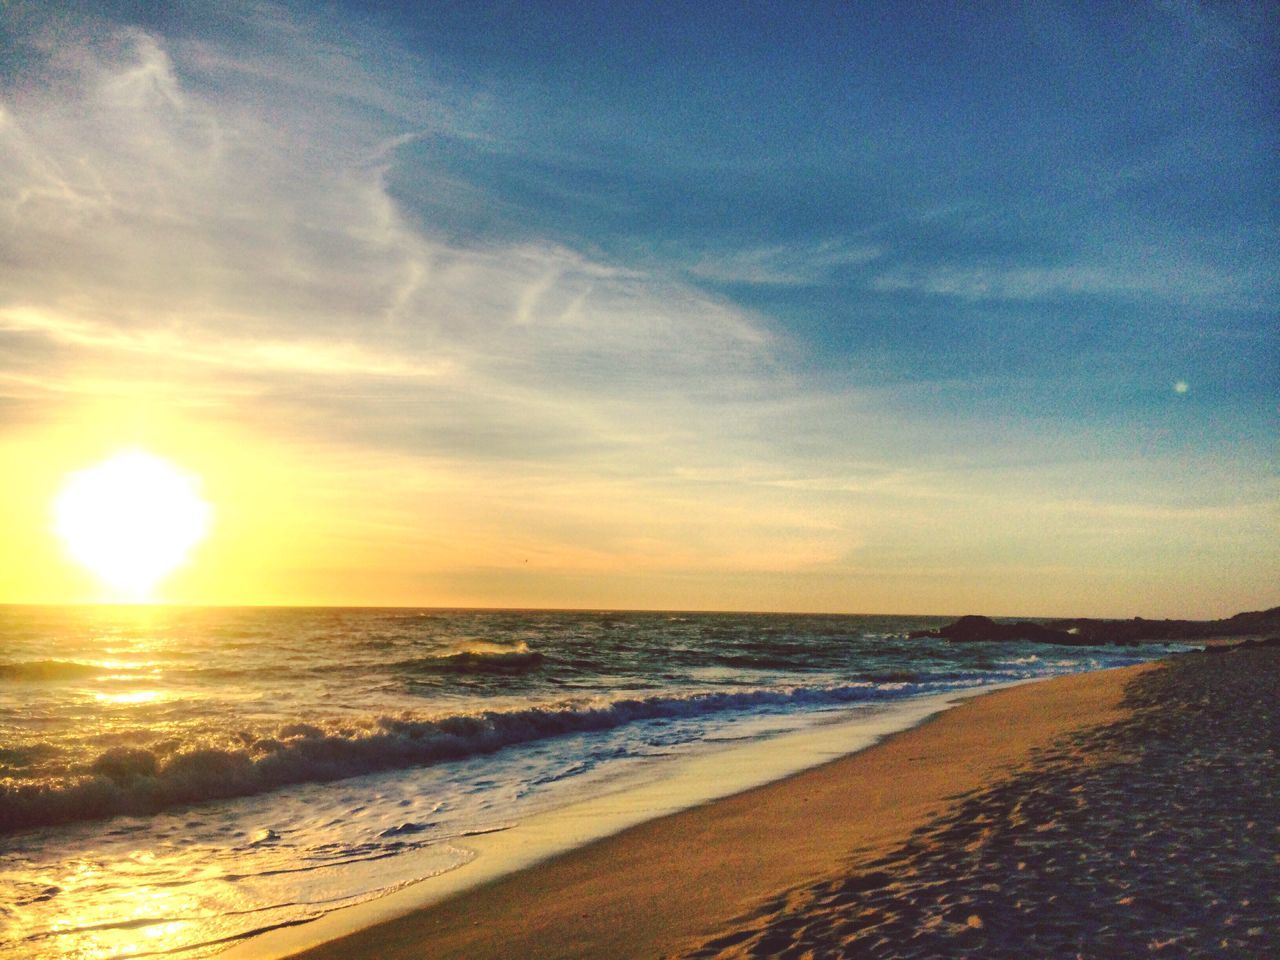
(132, 520)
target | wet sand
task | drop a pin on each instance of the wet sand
(1129, 810)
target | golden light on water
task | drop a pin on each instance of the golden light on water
(132, 520)
(133, 697)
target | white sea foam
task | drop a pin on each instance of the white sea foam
(137, 781)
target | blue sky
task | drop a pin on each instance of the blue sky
(822, 306)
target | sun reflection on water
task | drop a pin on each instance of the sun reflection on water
(133, 697)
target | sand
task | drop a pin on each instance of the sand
(1074, 816)
(1157, 834)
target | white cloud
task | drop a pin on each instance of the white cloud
(229, 209)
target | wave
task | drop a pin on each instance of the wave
(48, 670)
(487, 662)
(477, 658)
(754, 661)
(902, 676)
(137, 781)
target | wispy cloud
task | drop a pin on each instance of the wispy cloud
(153, 211)
(1162, 278)
(202, 346)
(791, 265)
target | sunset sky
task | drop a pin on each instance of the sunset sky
(864, 307)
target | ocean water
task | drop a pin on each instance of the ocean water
(175, 780)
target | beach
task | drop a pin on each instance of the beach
(1119, 812)
(611, 480)
(316, 770)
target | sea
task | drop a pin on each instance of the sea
(175, 781)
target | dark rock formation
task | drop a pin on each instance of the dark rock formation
(1089, 632)
(973, 629)
(1137, 630)
(1246, 645)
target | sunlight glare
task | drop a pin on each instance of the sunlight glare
(131, 519)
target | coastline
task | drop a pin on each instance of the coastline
(662, 884)
(1154, 834)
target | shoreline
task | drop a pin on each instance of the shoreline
(1154, 834)
(653, 881)
(647, 793)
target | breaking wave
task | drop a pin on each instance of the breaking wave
(132, 780)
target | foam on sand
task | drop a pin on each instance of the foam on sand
(664, 829)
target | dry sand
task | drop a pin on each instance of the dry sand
(995, 829)
(1155, 835)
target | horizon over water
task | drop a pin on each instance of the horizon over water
(162, 604)
(174, 779)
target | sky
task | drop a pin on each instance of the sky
(846, 307)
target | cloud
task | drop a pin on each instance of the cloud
(191, 227)
(791, 265)
(1158, 277)
(226, 208)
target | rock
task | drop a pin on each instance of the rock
(975, 629)
(1087, 632)
(1251, 644)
